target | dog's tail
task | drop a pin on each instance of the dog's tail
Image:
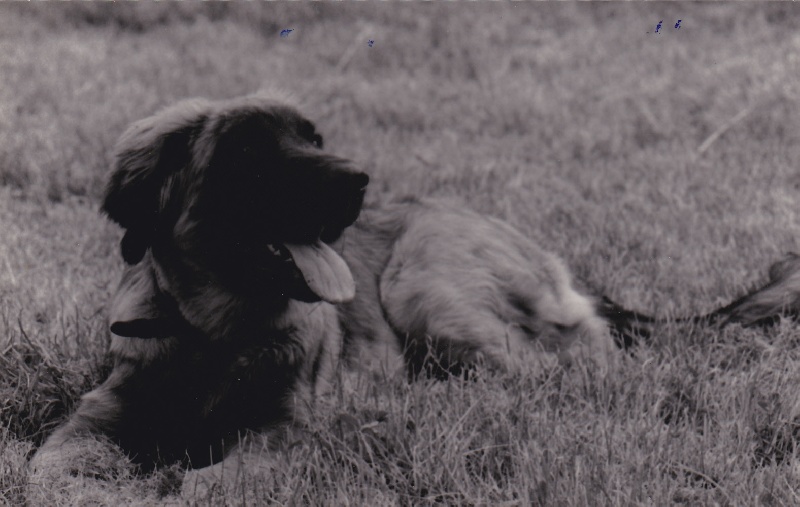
(764, 306)
(628, 327)
(761, 307)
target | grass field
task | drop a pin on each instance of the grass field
(663, 167)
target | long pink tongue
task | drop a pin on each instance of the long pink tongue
(324, 271)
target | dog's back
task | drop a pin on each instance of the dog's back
(448, 288)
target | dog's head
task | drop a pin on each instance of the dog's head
(238, 193)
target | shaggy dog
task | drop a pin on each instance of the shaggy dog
(249, 279)
(244, 290)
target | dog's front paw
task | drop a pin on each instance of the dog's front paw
(82, 471)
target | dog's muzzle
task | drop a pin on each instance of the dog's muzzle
(345, 198)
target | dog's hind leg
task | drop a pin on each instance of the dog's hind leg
(468, 289)
(445, 329)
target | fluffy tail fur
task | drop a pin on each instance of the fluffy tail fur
(761, 307)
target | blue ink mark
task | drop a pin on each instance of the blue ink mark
(285, 33)
(370, 43)
(678, 24)
(658, 26)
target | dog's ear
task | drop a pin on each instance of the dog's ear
(147, 154)
(324, 272)
(137, 308)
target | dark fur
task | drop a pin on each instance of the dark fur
(761, 307)
(220, 329)
(222, 334)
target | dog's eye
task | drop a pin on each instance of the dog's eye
(307, 131)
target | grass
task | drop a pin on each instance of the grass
(662, 167)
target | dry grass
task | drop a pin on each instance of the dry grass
(662, 167)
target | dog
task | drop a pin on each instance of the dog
(254, 275)
(248, 283)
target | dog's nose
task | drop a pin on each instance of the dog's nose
(360, 181)
(344, 202)
(350, 185)
(359, 184)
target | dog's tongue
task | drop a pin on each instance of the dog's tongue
(324, 271)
